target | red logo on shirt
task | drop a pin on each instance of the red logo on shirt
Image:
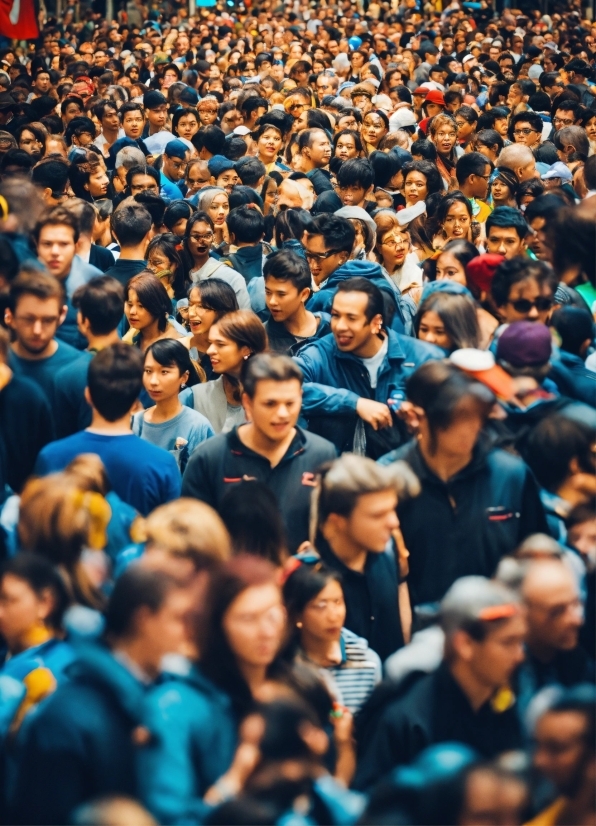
(309, 479)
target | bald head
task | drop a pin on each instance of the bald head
(550, 593)
(293, 195)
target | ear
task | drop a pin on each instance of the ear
(376, 323)
(463, 645)
(8, 318)
(47, 192)
(87, 395)
(63, 315)
(306, 292)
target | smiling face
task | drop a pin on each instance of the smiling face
(373, 129)
(274, 408)
(219, 209)
(415, 187)
(269, 145)
(200, 318)
(225, 355)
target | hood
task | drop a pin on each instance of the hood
(355, 269)
(249, 254)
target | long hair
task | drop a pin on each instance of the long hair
(458, 314)
(153, 296)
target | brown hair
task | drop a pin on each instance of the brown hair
(31, 281)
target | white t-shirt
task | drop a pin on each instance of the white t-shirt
(373, 364)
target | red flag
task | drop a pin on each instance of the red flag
(18, 19)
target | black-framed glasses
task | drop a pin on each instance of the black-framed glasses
(524, 305)
(526, 131)
(320, 256)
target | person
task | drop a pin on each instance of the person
(246, 228)
(420, 179)
(163, 259)
(287, 289)
(506, 232)
(142, 475)
(450, 456)
(467, 698)
(504, 187)
(169, 424)
(574, 328)
(269, 448)
(522, 289)
(316, 606)
(355, 183)
(473, 172)
(75, 733)
(564, 754)
(520, 160)
(315, 153)
(394, 248)
(338, 393)
(208, 301)
(148, 309)
(447, 320)
(131, 226)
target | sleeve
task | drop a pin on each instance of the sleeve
(237, 283)
(199, 434)
(320, 398)
(532, 515)
(381, 753)
(171, 483)
(65, 413)
(196, 479)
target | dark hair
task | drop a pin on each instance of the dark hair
(212, 138)
(581, 699)
(487, 119)
(518, 269)
(575, 326)
(505, 217)
(375, 304)
(338, 233)
(425, 148)
(51, 174)
(317, 119)
(551, 446)
(130, 224)
(246, 224)
(566, 105)
(434, 182)
(176, 211)
(141, 170)
(532, 118)
(56, 216)
(130, 106)
(307, 136)
(40, 575)
(77, 127)
(532, 187)
(235, 147)
(34, 282)
(99, 109)
(251, 105)
(168, 244)
(489, 138)
(154, 204)
(115, 379)
(245, 329)
(250, 170)
(458, 314)
(152, 295)
(181, 113)
(287, 265)
(244, 196)
(302, 586)
(169, 352)
(268, 367)
(69, 100)
(100, 302)
(509, 178)
(250, 512)
(216, 295)
(290, 224)
(473, 163)
(84, 163)
(136, 588)
(353, 134)
(453, 197)
(356, 172)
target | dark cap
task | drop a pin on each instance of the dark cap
(7, 101)
(176, 149)
(42, 106)
(153, 99)
(202, 67)
(189, 95)
(525, 344)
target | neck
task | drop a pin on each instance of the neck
(242, 245)
(579, 808)
(255, 676)
(476, 692)
(118, 428)
(166, 409)
(370, 347)
(100, 342)
(111, 134)
(443, 465)
(134, 650)
(84, 246)
(149, 334)
(351, 553)
(261, 443)
(301, 322)
(48, 351)
(200, 341)
(307, 165)
(133, 253)
(321, 652)
(466, 190)
(200, 260)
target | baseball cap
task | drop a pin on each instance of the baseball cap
(480, 270)
(444, 285)
(525, 344)
(189, 95)
(434, 96)
(242, 130)
(551, 46)
(558, 170)
(404, 216)
(161, 58)
(535, 71)
(153, 99)
(176, 149)
(403, 117)
(481, 365)
(421, 90)
(218, 164)
(476, 598)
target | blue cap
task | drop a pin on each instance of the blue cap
(176, 149)
(445, 285)
(218, 164)
(354, 42)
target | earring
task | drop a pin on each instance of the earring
(298, 625)
(245, 358)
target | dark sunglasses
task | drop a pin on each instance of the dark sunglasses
(524, 305)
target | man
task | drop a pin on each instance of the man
(567, 113)
(467, 698)
(132, 119)
(156, 112)
(142, 179)
(481, 501)
(142, 475)
(251, 172)
(355, 183)
(222, 173)
(327, 83)
(473, 174)
(99, 312)
(131, 226)
(552, 84)
(287, 289)
(175, 160)
(526, 128)
(522, 289)
(252, 109)
(81, 744)
(506, 232)
(269, 449)
(315, 151)
(125, 159)
(35, 310)
(210, 141)
(520, 159)
(293, 195)
(52, 177)
(564, 738)
(358, 374)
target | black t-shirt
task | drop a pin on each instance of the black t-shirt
(123, 271)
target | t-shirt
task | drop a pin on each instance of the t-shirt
(124, 269)
(71, 410)
(141, 474)
(42, 371)
(168, 190)
(188, 425)
(373, 364)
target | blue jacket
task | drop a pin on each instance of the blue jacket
(573, 378)
(334, 381)
(78, 745)
(193, 740)
(323, 299)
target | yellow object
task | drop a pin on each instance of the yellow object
(99, 513)
(39, 683)
(503, 700)
(550, 816)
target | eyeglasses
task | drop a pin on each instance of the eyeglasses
(524, 305)
(526, 131)
(392, 241)
(206, 236)
(564, 121)
(320, 256)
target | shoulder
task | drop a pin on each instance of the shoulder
(405, 453)
(315, 444)
(66, 352)
(504, 462)
(315, 349)
(21, 389)
(211, 448)
(74, 368)
(420, 350)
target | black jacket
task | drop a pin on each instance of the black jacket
(101, 258)
(432, 708)
(223, 461)
(281, 341)
(464, 527)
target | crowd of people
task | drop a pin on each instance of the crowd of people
(298, 415)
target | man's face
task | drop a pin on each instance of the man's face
(525, 134)
(283, 299)
(175, 168)
(275, 408)
(34, 322)
(165, 631)
(42, 82)
(372, 521)
(556, 87)
(505, 241)
(321, 260)
(528, 301)
(352, 195)
(319, 152)
(561, 751)
(157, 117)
(110, 120)
(555, 613)
(133, 123)
(562, 118)
(494, 659)
(479, 183)
(100, 58)
(141, 182)
(350, 327)
(515, 96)
(56, 249)
(228, 180)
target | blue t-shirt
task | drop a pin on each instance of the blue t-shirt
(43, 371)
(189, 425)
(168, 189)
(71, 410)
(142, 475)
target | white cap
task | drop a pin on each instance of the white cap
(472, 360)
(242, 130)
(403, 117)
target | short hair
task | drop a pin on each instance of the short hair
(307, 136)
(474, 163)
(99, 109)
(130, 106)
(518, 269)
(467, 113)
(575, 326)
(251, 104)
(128, 157)
(532, 118)
(581, 699)
(489, 138)
(100, 302)
(425, 148)
(467, 599)
(153, 203)
(211, 138)
(78, 126)
(41, 576)
(551, 446)
(338, 233)
(287, 265)
(566, 105)
(34, 282)
(356, 172)
(514, 155)
(142, 169)
(56, 216)
(246, 223)
(575, 136)
(130, 224)
(268, 367)
(51, 174)
(216, 295)
(250, 170)
(83, 212)
(137, 588)
(115, 380)
(506, 216)
(375, 304)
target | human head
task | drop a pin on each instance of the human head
(328, 242)
(175, 160)
(520, 160)
(421, 179)
(233, 339)
(473, 172)
(287, 283)
(131, 226)
(314, 146)
(208, 301)
(246, 225)
(448, 320)
(147, 302)
(523, 290)
(163, 258)
(575, 327)
(315, 602)
(355, 181)
(132, 118)
(272, 396)
(251, 171)
(357, 315)
(452, 262)
(176, 215)
(525, 128)
(52, 177)
(560, 449)
(35, 309)
(114, 380)
(506, 232)
(99, 306)
(454, 217)
(56, 234)
(442, 131)
(251, 513)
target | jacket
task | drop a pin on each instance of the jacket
(284, 342)
(334, 381)
(223, 461)
(79, 743)
(323, 299)
(248, 261)
(209, 398)
(573, 378)
(482, 513)
(193, 740)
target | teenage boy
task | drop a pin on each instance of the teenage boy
(355, 184)
(175, 160)
(287, 289)
(522, 289)
(131, 226)
(246, 226)
(142, 475)
(473, 172)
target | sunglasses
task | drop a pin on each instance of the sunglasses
(524, 305)
(320, 256)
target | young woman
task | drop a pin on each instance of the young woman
(314, 598)
(421, 179)
(347, 145)
(148, 309)
(176, 217)
(233, 339)
(489, 143)
(31, 139)
(185, 123)
(208, 301)
(270, 141)
(170, 425)
(442, 131)
(88, 176)
(453, 219)
(215, 202)
(452, 262)
(504, 187)
(394, 249)
(269, 196)
(375, 126)
(163, 259)
(449, 321)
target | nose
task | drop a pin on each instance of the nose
(392, 521)
(37, 327)
(533, 312)
(211, 350)
(502, 249)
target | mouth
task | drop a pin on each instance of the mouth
(343, 341)
(154, 393)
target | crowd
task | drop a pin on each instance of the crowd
(298, 415)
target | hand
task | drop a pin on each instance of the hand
(375, 413)
(411, 415)
(343, 727)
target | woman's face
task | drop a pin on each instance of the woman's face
(500, 191)
(357, 60)
(188, 126)
(373, 129)
(444, 139)
(30, 144)
(450, 269)
(219, 210)
(200, 318)
(157, 261)
(225, 355)
(98, 183)
(70, 111)
(457, 221)
(254, 625)
(169, 77)
(138, 317)
(591, 128)
(270, 197)
(207, 115)
(415, 187)
(269, 144)
(345, 148)
(432, 330)
(395, 245)
(325, 614)
(21, 610)
(200, 239)
(161, 382)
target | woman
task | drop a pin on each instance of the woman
(375, 126)
(176, 217)
(163, 259)
(347, 145)
(71, 107)
(214, 200)
(148, 309)
(316, 607)
(185, 123)
(421, 179)
(395, 252)
(88, 177)
(170, 425)
(452, 262)
(31, 139)
(442, 131)
(489, 143)
(449, 321)
(207, 109)
(197, 242)
(269, 196)
(270, 141)
(233, 339)
(208, 301)
(504, 187)
(453, 219)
